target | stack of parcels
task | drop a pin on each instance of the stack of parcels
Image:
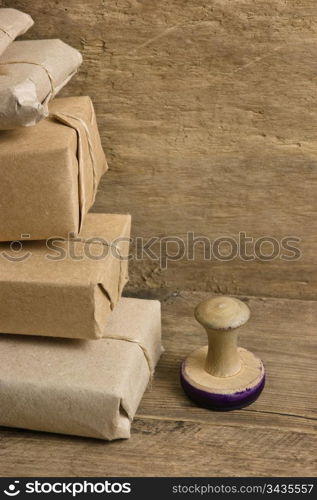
(75, 357)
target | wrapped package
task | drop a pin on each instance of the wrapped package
(65, 288)
(82, 387)
(13, 23)
(32, 72)
(50, 173)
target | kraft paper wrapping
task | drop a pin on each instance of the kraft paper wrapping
(50, 173)
(85, 388)
(65, 288)
(13, 23)
(32, 72)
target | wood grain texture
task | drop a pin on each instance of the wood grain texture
(276, 436)
(208, 118)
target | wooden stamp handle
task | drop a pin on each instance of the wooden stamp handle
(221, 316)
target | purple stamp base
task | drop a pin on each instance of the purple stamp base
(221, 402)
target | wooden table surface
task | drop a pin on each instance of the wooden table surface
(276, 436)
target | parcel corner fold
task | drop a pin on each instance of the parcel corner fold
(65, 287)
(50, 173)
(13, 23)
(32, 72)
(87, 388)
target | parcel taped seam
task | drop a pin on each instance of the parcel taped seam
(121, 258)
(65, 118)
(137, 342)
(49, 76)
(6, 33)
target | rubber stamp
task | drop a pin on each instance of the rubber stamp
(222, 376)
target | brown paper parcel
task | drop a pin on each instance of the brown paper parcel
(85, 388)
(65, 288)
(50, 173)
(32, 72)
(13, 23)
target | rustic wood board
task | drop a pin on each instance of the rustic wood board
(208, 117)
(277, 435)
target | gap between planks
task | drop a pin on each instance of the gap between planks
(291, 421)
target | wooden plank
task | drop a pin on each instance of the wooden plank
(275, 436)
(208, 118)
(163, 447)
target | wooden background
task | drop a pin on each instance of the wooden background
(207, 112)
(208, 116)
